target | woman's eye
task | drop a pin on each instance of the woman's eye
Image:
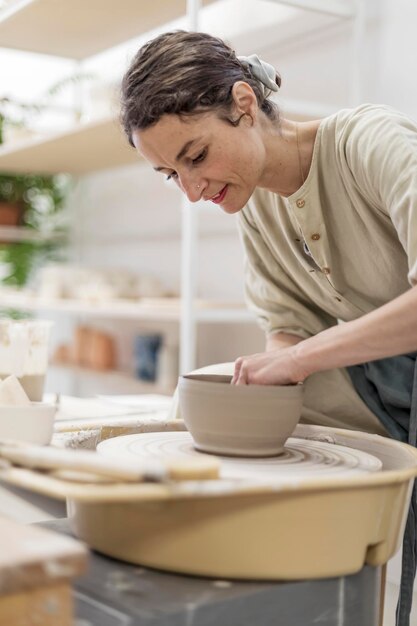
(173, 175)
(200, 157)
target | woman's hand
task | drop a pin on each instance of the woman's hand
(276, 367)
(389, 330)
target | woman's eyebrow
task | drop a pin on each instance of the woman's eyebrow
(181, 153)
(186, 147)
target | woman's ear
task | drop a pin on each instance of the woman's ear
(244, 99)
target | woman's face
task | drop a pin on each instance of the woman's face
(207, 157)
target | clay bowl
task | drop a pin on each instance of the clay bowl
(238, 420)
(30, 424)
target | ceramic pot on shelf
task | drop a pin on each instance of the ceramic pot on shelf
(11, 213)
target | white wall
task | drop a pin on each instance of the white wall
(131, 218)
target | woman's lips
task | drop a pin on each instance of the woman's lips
(219, 196)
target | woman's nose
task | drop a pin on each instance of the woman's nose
(192, 188)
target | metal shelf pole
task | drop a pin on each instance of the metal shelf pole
(358, 53)
(189, 256)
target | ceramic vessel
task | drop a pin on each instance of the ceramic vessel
(241, 420)
(24, 353)
(30, 424)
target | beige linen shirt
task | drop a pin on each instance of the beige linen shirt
(356, 214)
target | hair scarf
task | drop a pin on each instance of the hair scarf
(262, 71)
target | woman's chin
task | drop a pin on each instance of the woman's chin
(232, 206)
(230, 209)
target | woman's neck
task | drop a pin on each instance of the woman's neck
(288, 154)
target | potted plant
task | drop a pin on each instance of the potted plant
(30, 200)
(13, 115)
(40, 201)
(12, 199)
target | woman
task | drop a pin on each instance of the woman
(327, 213)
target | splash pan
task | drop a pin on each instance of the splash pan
(332, 502)
(335, 500)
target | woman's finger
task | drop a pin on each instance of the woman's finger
(238, 365)
(243, 375)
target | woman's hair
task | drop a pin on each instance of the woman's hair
(184, 73)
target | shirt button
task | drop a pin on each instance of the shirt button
(315, 236)
(325, 270)
(300, 203)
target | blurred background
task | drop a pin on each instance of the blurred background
(95, 235)
(92, 238)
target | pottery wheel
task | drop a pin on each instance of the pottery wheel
(301, 459)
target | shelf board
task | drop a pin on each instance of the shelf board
(100, 145)
(86, 148)
(152, 309)
(64, 27)
(18, 234)
(112, 377)
(224, 314)
(77, 29)
(337, 8)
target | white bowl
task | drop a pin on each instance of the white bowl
(31, 424)
(242, 420)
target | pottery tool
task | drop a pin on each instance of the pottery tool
(200, 467)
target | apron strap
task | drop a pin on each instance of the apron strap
(409, 556)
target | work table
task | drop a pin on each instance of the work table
(36, 568)
(113, 593)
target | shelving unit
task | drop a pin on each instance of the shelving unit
(86, 148)
(113, 378)
(34, 25)
(31, 25)
(16, 234)
(338, 8)
(146, 309)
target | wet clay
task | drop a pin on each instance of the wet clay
(299, 460)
